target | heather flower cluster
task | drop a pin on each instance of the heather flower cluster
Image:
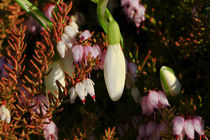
(134, 11)
(151, 130)
(188, 127)
(154, 100)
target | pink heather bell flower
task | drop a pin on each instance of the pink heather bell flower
(189, 128)
(50, 131)
(151, 128)
(198, 126)
(142, 131)
(4, 113)
(85, 35)
(178, 126)
(147, 109)
(134, 11)
(40, 101)
(77, 51)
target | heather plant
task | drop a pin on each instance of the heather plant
(77, 70)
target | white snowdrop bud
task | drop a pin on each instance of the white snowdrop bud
(61, 48)
(169, 82)
(66, 40)
(89, 87)
(56, 73)
(114, 71)
(70, 31)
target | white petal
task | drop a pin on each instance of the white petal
(114, 71)
(67, 40)
(189, 129)
(70, 31)
(73, 95)
(80, 91)
(61, 48)
(56, 73)
(178, 125)
(74, 25)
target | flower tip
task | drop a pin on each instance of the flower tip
(94, 98)
(83, 101)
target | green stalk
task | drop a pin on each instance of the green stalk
(35, 13)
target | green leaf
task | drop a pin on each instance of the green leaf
(35, 13)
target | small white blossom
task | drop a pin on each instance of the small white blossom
(68, 42)
(5, 114)
(71, 31)
(89, 87)
(61, 48)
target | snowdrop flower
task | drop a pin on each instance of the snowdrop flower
(4, 113)
(114, 63)
(169, 82)
(56, 73)
(178, 126)
(50, 131)
(85, 35)
(189, 128)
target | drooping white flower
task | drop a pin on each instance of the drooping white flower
(56, 73)
(114, 71)
(89, 87)
(169, 82)
(68, 42)
(178, 125)
(73, 95)
(189, 128)
(80, 89)
(5, 114)
(71, 31)
(61, 48)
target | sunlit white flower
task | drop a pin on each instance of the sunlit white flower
(68, 42)
(61, 48)
(189, 128)
(71, 31)
(5, 114)
(114, 71)
(169, 82)
(56, 73)
(89, 87)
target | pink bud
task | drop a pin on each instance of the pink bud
(87, 49)
(48, 10)
(189, 128)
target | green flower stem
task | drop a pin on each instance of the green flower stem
(35, 13)
(104, 16)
